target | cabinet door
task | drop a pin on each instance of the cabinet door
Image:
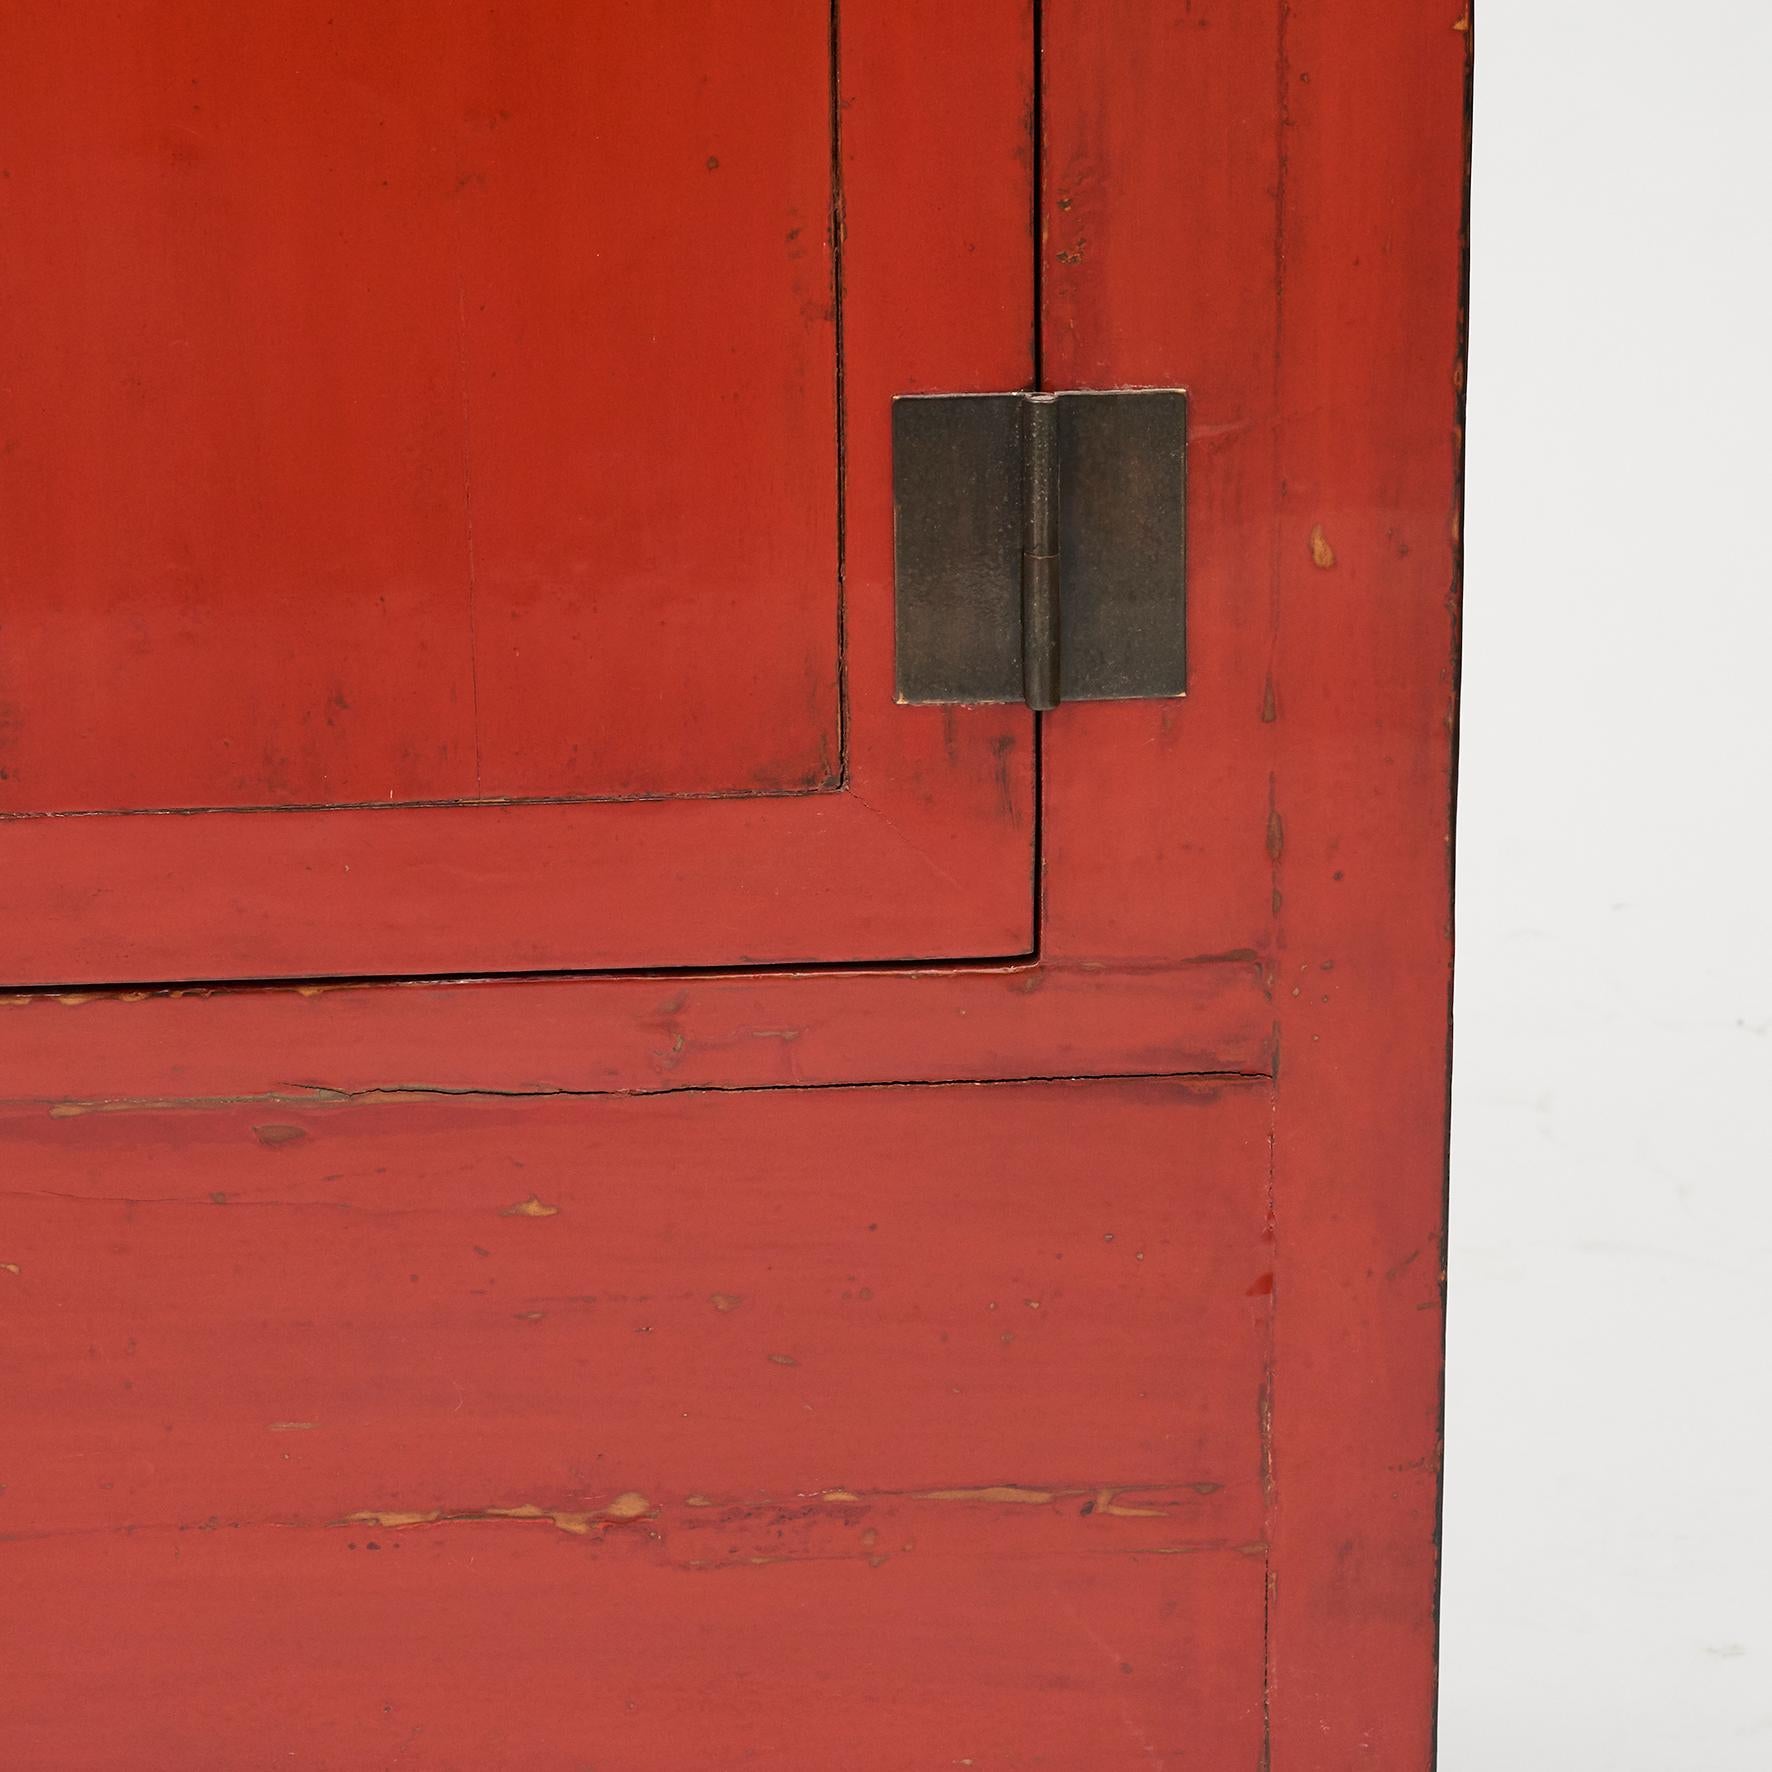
(447, 519)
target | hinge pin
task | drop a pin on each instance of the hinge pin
(1039, 551)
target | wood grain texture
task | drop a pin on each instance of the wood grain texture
(1367, 549)
(922, 845)
(633, 1663)
(1263, 205)
(1266, 204)
(708, 1429)
(1211, 1013)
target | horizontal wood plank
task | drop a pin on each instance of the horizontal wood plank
(944, 1403)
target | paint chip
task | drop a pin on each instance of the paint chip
(629, 1506)
(1321, 553)
(1107, 1501)
(625, 1507)
(1010, 1492)
(726, 1301)
(272, 1136)
(530, 1208)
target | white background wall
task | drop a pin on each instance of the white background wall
(1608, 1540)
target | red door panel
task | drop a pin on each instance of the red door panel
(706, 1418)
(412, 402)
(424, 444)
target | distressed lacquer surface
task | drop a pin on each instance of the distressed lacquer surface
(1263, 205)
(876, 1428)
(439, 404)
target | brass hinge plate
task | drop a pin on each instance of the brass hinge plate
(1040, 546)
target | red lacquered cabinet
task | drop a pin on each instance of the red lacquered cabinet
(584, 1185)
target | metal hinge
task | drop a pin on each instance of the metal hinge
(1040, 546)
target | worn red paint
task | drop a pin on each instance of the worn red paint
(777, 1398)
(686, 640)
(736, 1366)
(1308, 288)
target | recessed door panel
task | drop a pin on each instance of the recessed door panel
(417, 403)
(447, 503)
